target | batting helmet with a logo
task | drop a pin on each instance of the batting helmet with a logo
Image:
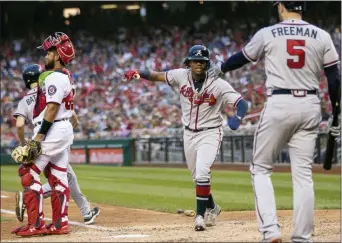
(197, 52)
(31, 74)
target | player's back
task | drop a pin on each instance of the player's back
(295, 53)
(26, 105)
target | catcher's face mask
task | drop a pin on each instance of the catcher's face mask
(63, 44)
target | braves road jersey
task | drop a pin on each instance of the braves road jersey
(56, 87)
(202, 108)
(26, 104)
(295, 53)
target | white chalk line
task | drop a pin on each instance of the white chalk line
(96, 227)
(4, 196)
(125, 236)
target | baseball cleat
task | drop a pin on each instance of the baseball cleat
(19, 205)
(90, 218)
(199, 223)
(211, 214)
(30, 230)
(52, 230)
(17, 229)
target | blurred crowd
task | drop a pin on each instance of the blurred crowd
(108, 107)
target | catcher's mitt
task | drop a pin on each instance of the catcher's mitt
(28, 153)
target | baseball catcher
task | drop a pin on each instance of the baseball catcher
(24, 114)
(48, 150)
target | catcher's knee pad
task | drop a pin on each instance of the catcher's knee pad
(26, 177)
(202, 188)
(32, 201)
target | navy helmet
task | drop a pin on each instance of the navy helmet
(197, 52)
(31, 74)
(298, 6)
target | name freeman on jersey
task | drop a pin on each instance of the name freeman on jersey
(294, 30)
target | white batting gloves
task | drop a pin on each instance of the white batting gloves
(334, 130)
(215, 68)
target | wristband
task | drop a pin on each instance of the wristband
(146, 74)
(45, 127)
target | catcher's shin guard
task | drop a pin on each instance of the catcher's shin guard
(33, 202)
(59, 202)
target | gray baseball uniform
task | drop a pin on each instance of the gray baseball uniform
(75, 192)
(201, 109)
(25, 109)
(295, 53)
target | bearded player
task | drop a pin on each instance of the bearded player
(49, 148)
(23, 115)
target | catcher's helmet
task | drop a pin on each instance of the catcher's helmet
(197, 52)
(299, 6)
(31, 74)
(63, 44)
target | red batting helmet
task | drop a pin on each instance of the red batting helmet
(63, 44)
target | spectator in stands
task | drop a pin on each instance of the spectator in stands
(109, 107)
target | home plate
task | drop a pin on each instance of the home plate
(126, 236)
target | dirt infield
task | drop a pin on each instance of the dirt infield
(118, 224)
(336, 169)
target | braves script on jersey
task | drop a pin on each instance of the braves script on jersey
(202, 108)
(295, 52)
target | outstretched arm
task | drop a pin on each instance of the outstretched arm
(250, 53)
(234, 62)
(171, 77)
(146, 74)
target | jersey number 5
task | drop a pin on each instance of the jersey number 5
(300, 53)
